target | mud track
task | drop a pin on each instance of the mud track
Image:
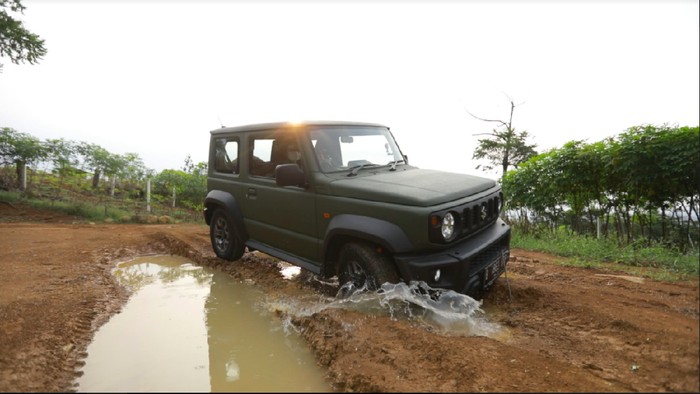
(568, 329)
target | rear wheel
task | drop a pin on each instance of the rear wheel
(225, 240)
(363, 265)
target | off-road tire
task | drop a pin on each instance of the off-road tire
(361, 263)
(225, 240)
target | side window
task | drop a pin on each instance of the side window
(261, 157)
(270, 149)
(226, 155)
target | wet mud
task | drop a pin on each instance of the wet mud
(564, 329)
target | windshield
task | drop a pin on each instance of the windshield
(341, 148)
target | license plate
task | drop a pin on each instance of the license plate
(495, 269)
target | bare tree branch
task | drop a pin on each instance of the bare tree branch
(488, 120)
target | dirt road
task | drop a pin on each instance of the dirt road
(569, 329)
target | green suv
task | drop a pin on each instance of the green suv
(339, 199)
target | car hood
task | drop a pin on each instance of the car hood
(415, 186)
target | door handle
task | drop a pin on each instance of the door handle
(251, 193)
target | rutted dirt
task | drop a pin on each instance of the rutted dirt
(569, 329)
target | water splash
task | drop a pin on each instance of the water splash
(435, 309)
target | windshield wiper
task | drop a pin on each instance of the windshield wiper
(356, 169)
(393, 165)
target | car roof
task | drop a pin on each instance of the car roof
(283, 125)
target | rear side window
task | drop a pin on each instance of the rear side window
(226, 155)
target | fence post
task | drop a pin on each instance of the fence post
(148, 195)
(23, 180)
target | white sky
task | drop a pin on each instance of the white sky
(154, 77)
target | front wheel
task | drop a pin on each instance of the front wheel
(365, 266)
(225, 240)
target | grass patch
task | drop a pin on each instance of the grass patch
(10, 197)
(91, 212)
(653, 261)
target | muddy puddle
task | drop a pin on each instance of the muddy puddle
(191, 328)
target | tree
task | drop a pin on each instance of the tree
(16, 42)
(128, 166)
(532, 189)
(96, 158)
(634, 179)
(63, 155)
(190, 183)
(19, 149)
(505, 147)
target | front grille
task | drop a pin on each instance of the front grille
(470, 218)
(479, 214)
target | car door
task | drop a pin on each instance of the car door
(280, 217)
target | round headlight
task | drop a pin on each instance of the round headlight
(448, 226)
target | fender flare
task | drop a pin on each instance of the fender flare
(227, 202)
(380, 232)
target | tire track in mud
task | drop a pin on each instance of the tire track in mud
(608, 325)
(569, 329)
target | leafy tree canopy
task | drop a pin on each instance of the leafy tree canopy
(16, 42)
(19, 147)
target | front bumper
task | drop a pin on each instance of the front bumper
(470, 267)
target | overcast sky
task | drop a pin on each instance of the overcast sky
(154, 77)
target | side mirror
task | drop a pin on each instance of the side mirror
(405, 159)
(289, 175)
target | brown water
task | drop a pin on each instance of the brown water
(189, 328)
